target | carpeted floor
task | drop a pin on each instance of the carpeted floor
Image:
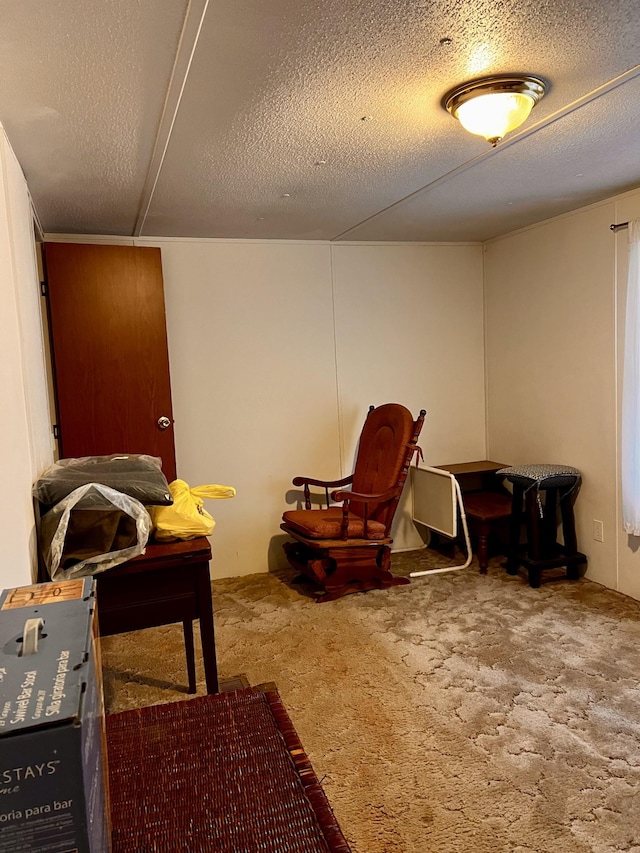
(459, 714)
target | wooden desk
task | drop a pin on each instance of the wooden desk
(170, 583)
(487, 503)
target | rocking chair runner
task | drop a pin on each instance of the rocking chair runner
(347, 549)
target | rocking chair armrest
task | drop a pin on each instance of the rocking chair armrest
(373, 499)
(325, 484)
(301, 481)
(348, 497)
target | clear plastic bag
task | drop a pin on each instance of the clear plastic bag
(187, 518)
(91, 530)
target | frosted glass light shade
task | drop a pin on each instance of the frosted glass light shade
(494, 106)
(494, 115)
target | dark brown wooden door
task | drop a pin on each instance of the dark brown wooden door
(109, 342)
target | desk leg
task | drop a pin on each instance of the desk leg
(483, 548)
(191, 654)
(205, 608)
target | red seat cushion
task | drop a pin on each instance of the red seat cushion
(327, 524)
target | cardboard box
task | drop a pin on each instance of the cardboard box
(53, 773)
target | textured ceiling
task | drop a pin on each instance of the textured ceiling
(312, 119)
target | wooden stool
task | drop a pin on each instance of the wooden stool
(542, 550)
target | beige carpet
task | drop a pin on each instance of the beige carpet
(460, 713)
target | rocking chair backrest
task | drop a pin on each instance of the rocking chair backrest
(387, 444)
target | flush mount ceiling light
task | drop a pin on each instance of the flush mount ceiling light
(494, 106)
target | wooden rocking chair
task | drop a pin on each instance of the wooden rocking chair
(346, 548)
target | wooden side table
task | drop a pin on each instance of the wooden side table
(169, 583)
(486, 504)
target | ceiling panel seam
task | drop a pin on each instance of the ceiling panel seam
(620, 80)
(191, 29)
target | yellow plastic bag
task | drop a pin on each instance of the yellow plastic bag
(186, 518)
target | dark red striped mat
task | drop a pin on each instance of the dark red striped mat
(224, 773)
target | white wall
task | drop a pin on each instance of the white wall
(277, 349)
(253, 381)
(25, 429)
(553, 368)
(409, 329)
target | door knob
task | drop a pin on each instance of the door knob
(164, 422)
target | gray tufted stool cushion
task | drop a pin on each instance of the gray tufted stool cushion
(542, 476)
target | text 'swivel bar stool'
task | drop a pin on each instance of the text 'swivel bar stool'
(558, 485)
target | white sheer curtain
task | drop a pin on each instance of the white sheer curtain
(631, 391)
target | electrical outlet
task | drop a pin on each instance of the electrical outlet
(598, 530)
